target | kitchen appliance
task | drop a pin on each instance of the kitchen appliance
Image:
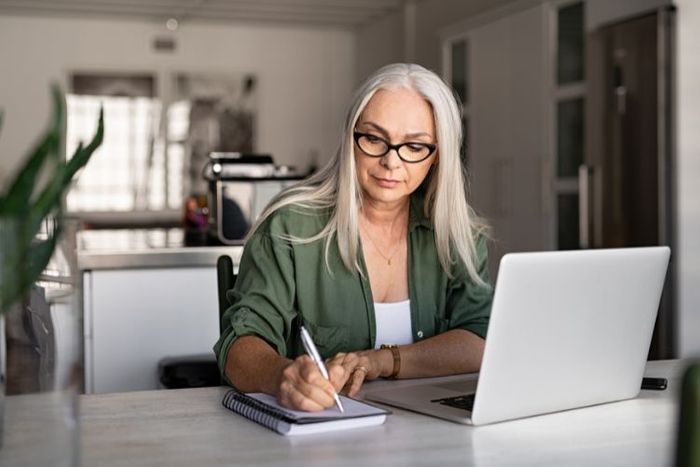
(239, 188)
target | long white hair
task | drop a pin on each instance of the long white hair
(336, 187)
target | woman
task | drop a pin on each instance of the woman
(378, 256)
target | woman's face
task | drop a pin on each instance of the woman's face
(397, 116)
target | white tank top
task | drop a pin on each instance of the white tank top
(393, 323)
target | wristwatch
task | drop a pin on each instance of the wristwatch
(397, 359)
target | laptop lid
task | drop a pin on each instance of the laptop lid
(568, 329)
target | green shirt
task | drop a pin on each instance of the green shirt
(282, 285)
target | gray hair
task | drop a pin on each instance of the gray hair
(336, 186)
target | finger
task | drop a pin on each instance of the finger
(338, 376)
(303, 377)
(299, 394)
(311, 375)
(356, 380)
(304, 361)
(295, 400)
(337, 359)
(302, 368)
(321, 395)
(349, 362)
(312, 380)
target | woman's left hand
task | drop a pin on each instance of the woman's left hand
(350, 370)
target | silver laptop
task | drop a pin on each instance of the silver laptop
(568, 329)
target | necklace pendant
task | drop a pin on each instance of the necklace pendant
(388, 262)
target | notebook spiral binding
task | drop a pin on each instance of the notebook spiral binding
(254, 410)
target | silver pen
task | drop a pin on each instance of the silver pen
(311, 349)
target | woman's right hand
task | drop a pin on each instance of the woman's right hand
(301, 386)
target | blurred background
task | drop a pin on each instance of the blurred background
(581, 127)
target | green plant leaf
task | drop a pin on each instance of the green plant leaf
(10, 259)
(19, 195)
(40, 254)
(2, 198)
(25, 269)
(82, 156)
(23, 257)
(51, 196)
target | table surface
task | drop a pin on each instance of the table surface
(190, 427)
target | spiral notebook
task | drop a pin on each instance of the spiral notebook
(264, 409)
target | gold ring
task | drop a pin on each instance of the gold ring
(361, 368)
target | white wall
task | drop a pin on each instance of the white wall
(380, 43)
(384, 41)
(687, 252)
(434, 15)
(305, 75)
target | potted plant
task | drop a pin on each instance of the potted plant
(31, 223)
(24, 208)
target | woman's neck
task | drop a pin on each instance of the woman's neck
(385, 217)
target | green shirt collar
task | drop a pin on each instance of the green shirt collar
(416, 216)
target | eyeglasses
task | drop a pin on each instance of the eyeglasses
(374, 146)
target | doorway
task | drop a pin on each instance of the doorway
(626, 179)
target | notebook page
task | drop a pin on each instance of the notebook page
(353, 408)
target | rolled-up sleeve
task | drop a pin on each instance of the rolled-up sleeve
(263, 297)
(470, 303)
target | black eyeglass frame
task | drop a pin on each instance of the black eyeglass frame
(356, 135)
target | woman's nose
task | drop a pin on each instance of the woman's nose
(391, 160)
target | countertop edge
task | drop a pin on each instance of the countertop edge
(157, 258)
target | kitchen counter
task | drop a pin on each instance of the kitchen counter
(135, 249)
(145, 286)
(157, 258)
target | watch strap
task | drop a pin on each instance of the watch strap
(397, 359)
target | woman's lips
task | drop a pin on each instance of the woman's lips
(386, 182)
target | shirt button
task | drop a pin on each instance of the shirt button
(419, 334)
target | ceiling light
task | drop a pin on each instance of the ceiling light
(172, 24)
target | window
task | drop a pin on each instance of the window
(130, 171)
(570, 137)
(570, 43)
(569, 118)
(123, 173)
(459, 79)
(156, 144)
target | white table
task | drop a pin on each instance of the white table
(190, 427)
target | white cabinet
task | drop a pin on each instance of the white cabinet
(135, 317)
(508, 139)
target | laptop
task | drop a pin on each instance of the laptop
(568, 329)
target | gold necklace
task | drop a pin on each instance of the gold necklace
(379, 250)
